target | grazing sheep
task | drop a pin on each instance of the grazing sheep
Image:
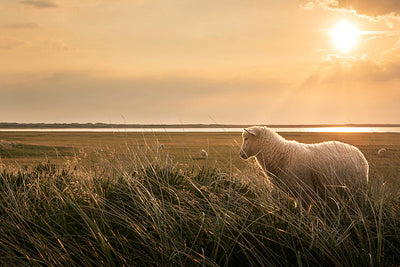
(382, 152)
(306, 170)
(204, 153)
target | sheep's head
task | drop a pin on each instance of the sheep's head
(250, 143)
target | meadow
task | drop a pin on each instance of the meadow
(119, 199)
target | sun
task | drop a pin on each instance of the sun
(344, 36)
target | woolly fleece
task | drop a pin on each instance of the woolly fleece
(305, 167)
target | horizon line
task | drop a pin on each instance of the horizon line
(182, 125)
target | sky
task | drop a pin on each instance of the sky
(200, 61)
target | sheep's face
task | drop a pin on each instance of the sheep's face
(249, 145)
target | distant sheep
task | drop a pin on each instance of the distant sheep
(305, 169)
(204, 153)
(382, 152)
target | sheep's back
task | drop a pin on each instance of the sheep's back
(338, 159)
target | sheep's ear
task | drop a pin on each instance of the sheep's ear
(251, 131)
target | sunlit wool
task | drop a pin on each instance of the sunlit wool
(305, 168)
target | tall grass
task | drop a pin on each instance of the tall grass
(142, 208)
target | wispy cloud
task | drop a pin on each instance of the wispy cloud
(39, 3)
(338, 69)
(371, 8)
(55, 44)
(7, 43)
(20, 26)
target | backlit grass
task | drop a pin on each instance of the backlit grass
(143, 207)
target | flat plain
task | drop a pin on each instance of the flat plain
(24, 148)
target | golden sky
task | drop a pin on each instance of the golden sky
(208, 61)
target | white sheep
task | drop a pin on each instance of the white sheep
(382, 152)
(204, 153)
(305, 170)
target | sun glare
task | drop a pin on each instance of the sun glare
(344, 36)
(341, 129)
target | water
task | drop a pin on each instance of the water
(212, 130)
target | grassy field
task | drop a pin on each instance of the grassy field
(31, 147)
(117, 199)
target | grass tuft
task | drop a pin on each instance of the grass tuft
(142, 208)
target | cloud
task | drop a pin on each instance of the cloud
(372, 8)
(21, 26)
(7, 43)
(39, 3)
(351, 89)
(92, 97)
(55, 44)
(86, 96)
(337, 69)
(45, 44)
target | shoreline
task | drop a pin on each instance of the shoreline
(14, 125)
